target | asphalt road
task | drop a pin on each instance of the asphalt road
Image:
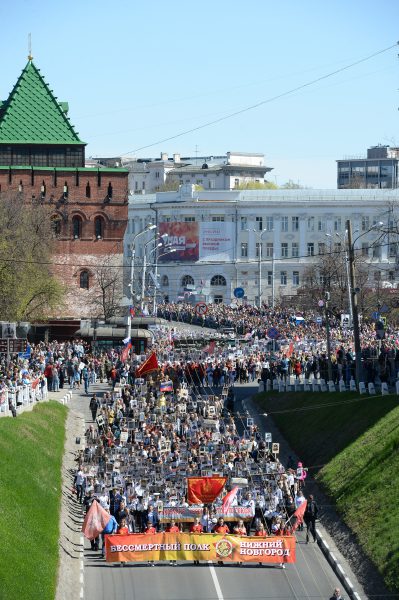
(309, 578)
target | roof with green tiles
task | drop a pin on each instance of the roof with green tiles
(32, 114)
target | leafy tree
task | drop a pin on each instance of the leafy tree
(257, 185)
(28, 288)
(107, 288)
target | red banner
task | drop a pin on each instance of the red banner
(95, 521)
(183, 237)
(205, 546)
(204, 490)
(187, 514)
(151, 364)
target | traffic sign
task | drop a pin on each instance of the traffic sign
(239, 292)
(273, 333)
(13, 346)
(201, 309)
(320, 303)
(319, 320)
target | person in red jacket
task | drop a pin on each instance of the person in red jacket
(196, 528)
(222, 529)
(150, 530)
(260, 532)
(172, 528)
(240, 529)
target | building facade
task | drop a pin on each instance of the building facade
(226, 172)
(379, 170)
(260, 240)
(42, 158)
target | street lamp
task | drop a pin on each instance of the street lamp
(144, 273)
(147, 228)
(354, 290)
(260, 234)
(157, 257)
(348, 284)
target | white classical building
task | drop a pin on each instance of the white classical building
(260, 240)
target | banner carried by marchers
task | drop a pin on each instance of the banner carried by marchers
(187, 514)
(204, 490)
(185, 546)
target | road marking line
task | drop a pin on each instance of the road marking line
(215, 581)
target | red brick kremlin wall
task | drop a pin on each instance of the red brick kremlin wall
(46, 186)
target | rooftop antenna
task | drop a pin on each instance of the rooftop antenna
(30, 57)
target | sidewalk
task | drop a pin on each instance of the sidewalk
(70, 580)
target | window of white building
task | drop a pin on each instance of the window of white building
(244, 223)
(269, 223)
(218, 218)
(295, 223)
(218, 280)
(365, 223)
(244, 250)
(283, 277)
(295, 250)
(310, 249)
(258, 249)
(270, 278)
(259, 223)
(284, 223)
(337, 224)
(295, 278)
(284, 250)
(310, 223)
(269, 250)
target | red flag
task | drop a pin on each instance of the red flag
(95, 521)
(125, 352)
(228, 500)
(290, 350)
(151, 364)
(35, 383)
(299, 513)
(204, 490)
(210, 349)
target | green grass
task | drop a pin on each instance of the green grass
(31, 449)
(351, 444)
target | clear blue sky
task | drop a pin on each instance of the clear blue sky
(137, 72)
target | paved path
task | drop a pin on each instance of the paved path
(310, 578)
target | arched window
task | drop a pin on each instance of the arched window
(56, 225)
(84, 280)
(187, 280)
(165, 281)
(76, 227)
(218, 280)
(99, 227)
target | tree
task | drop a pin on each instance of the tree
(257, 185)
(28, 288)
(291, 185)
(107, 288)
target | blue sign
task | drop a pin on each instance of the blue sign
(273, 333)
(239, 293)
(375, 315)
(319, 320)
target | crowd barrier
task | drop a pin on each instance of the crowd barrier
(22, 397)
(291, 384)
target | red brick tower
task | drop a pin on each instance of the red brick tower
(42, 157)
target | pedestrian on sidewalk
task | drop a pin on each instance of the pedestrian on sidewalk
(310, 518)
(85, 377)
(94, 406)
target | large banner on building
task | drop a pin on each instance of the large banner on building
(206, 546)
(183, 514)
(204, 241)
(216, 241)
(183, 238)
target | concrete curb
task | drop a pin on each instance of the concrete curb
(337, 567)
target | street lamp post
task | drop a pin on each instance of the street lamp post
(260, 291)
(355, 311)
(158, 256)
(148, 227)
(354, 291)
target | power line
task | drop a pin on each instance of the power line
(263, 102)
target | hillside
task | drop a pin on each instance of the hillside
(31, 449)
(351, 445)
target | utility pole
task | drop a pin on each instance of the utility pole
(327, 317)
(273, 278)
(260, 273)
(355, 309)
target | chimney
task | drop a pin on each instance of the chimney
(176, 158)
(164, 156)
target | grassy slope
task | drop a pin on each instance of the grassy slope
(31, 449)
(357, 444)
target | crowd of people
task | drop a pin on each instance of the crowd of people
(148, 436)
(302, 336)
